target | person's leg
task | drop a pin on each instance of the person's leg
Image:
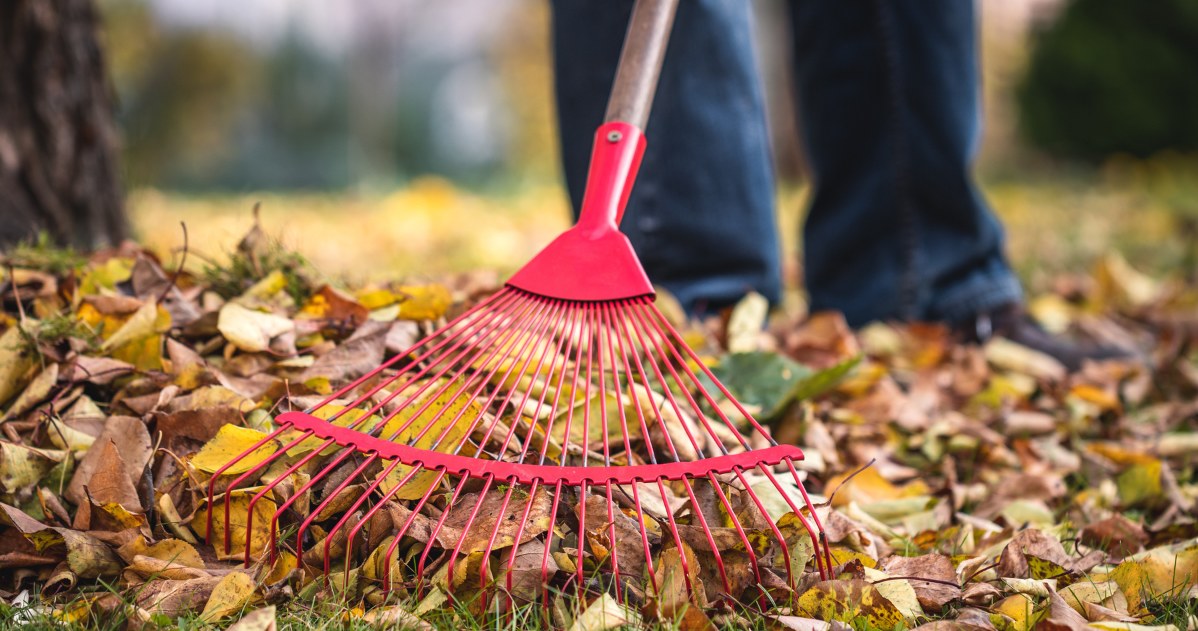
(890, 111)
(701, 215)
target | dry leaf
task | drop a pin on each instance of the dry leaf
(230, 595)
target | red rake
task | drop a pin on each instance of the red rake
(569, 382)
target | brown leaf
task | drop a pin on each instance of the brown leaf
(1061, 617)
(525, 571)
(932, 596)
(358, 355)
(174, 598)
(1117, 535)
(476, 538)
(629, 551)
(1033, 554)
(99, 370)
(111, 480)
(129, 439)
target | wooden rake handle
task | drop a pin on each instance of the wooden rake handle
(640, 62)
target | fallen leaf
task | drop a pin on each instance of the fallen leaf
(230, 595)
(129, 437)
(231, 442)
(605, 613)
(16, 362)
(1117, 535)
(258, 620)
(251, 330)
(259, 537)
(933, 596)
(848, 601)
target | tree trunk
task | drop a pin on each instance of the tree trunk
(58, 138)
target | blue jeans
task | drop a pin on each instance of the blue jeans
(888, 93)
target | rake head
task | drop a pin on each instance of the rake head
(562, 429)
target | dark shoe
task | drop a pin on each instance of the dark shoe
(1013, 323)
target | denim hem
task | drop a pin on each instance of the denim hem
(980, 295)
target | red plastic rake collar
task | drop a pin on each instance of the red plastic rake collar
(529, 473)
(594, 260)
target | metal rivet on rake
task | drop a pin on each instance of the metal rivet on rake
(614, 136)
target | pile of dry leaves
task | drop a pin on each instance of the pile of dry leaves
(979, 487)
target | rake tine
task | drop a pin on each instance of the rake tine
(241, 478)
(527, 391)
(453, 360)
(370, 512)
(814, 515)
(686, 573)
(715, 551)
(679, 342)
(408, 523)
(740, 531)
(503, 298)
(532, 496)
(466, 529)
(615, 561)
(702, 417)
(557, 495)
(225, 467)
(328, 538)
(640, 522)
(669, 395)
(615, 373)
(773, 527)
(582, 535)
(824, 571)
(506, 400)
(482, 570)
(457, 492)
(636, 401)
(474, 378)
(562, 341)
(576, 319)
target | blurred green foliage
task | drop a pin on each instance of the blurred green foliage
(1114, 76)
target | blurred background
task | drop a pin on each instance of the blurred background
(389, 138)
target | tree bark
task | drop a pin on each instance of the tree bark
(58, 137)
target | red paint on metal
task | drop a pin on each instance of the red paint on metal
(528, 473)
(594, 260)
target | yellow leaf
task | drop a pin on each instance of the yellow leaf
(673, 577)
(230, 595)
(264, 511)
(35, 392)
(16, 361)
(377, 298)
(855, 602)
(1158, 575)
(869, 486)
(423, 302)
(175, 551)
(1140, 482)
(284, 563)
(105, 275)
(139, 325)
(22, 467)
(899, 591)
(746, 323)
(451, 413)
(232, 441)
(841, 556)
(1014, 613)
